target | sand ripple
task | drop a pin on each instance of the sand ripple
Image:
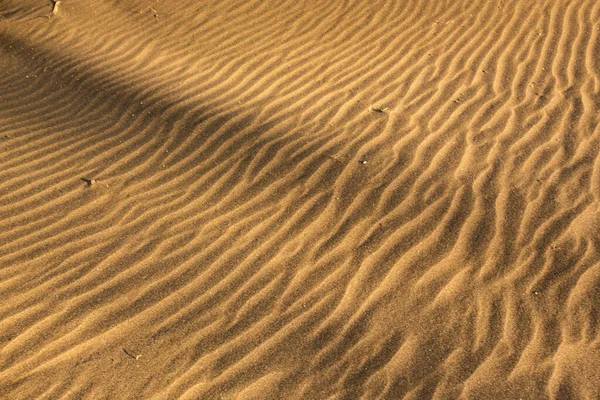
(311, 200)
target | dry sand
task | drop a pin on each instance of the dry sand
(299, 199)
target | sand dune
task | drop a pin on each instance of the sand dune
(299, 200)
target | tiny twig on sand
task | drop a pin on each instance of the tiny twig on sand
(89, 181)
(379, 110)
(55, 8)
(151, 10)
(53, 13)
(131, 355)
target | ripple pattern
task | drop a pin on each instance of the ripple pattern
(311, 200)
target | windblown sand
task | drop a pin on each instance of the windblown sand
(299, 199)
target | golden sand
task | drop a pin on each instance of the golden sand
(229, 199)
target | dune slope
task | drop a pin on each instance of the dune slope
(299, 200)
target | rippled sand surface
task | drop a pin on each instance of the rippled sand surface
(270, 199)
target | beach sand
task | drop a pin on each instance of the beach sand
(299, 200)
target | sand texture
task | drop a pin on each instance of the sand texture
(227, 199)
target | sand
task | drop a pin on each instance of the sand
(299, 199)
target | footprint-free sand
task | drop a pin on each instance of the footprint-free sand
(299, 199)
